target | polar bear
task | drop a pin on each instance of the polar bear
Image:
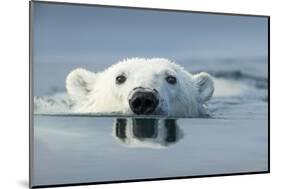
(140, 86)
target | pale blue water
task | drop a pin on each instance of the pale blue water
(77, 150)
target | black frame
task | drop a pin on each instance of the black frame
(133, 180)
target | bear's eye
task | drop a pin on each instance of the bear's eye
(171, 79)
(120, 79)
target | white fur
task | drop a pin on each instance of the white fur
(99, 93)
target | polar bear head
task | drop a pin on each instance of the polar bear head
(140, 86)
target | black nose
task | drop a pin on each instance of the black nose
(143, 102)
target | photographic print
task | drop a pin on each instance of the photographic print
(122, 94)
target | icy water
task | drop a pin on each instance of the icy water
(93, 148)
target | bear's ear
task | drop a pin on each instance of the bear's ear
(205, 85)
(79, 83)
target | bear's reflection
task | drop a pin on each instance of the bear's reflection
(147, 133)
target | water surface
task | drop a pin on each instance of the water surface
(92, 149)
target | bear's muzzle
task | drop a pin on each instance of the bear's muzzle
(143, 100)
